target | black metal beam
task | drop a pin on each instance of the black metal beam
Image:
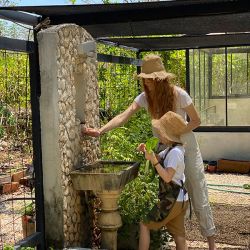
(19, 17)
(155, 18)
(35, 86)
(132, 12)
(118, 59)
(196, 25)
(183, 42)
(236, 129)
(16, 45)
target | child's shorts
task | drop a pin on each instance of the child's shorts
(174, 222)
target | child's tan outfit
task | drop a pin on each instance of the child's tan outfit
(173, 197)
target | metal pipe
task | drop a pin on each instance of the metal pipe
(19, 17)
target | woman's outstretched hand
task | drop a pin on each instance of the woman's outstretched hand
(91, 132)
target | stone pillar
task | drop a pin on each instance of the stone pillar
(109, 219)
(69, 95)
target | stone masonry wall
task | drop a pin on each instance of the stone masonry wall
(76, 101)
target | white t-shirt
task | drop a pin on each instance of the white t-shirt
(182, 100)
(175, 160)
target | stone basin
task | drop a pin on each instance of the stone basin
(106, 179)
(105, 175)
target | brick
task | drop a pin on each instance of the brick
(5, 178)
(18, 175)
(10, 187)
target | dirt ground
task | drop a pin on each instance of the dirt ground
(231, 212)
(231, 224)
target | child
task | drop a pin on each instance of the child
(173, 197)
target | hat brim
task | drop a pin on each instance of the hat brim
(163, 133)
(159, 75)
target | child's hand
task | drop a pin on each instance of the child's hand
(141, 147)
(150, 156)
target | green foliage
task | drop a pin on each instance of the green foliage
(151, 144)
(117, 84)
(4, 3)
(121, 143)
(14, 80)
(137, 199)
(29, 209)
(6, 120)
(8, 247)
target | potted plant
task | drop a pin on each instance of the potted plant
(28, 220)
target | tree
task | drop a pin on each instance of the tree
(5, 3)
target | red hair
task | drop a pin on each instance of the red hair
(161, 98)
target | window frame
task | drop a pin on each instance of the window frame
(224, 128)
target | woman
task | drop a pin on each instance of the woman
(159, 97)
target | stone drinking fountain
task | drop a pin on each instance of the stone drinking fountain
(69, 98)
(107, 179)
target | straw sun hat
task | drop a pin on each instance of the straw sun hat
(170, 126)
(152, 67)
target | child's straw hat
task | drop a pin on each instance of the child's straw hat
(169, 126)
(153, 68)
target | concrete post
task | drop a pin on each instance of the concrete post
(69, 95)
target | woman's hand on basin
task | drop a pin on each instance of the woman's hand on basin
(91, 132)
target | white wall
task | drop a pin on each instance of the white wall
(235, 146)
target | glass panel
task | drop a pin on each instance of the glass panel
(218, 71)
(238, 90)
(237, 73)
(212, 111)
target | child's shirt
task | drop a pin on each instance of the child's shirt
(175, 160)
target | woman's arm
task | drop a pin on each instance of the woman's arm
(117, 121)
(194, 118)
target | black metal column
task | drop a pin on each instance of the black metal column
(37, 149)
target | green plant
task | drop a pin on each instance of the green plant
(8, 247)
(138, 196)
(29, 210)
(151, 144)
(136, 200)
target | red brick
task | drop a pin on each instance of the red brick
(18, 175)
(9, 187)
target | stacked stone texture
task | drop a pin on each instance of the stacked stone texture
(75, 149)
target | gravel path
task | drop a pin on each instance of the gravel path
(227, 197)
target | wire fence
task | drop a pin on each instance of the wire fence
(16, 168)
(117, 88)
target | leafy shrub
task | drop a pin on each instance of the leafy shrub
(29, 209)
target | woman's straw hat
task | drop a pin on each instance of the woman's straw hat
(152, 67)
(169, 126)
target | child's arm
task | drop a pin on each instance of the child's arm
(142, 148)
(165, 174)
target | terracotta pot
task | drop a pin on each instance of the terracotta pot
(29, 225)
(211, 168)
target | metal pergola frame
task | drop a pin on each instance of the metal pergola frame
(37, 239)
(151, 26)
